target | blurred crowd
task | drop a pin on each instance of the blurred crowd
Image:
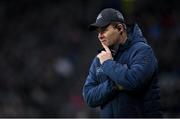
(46, 50)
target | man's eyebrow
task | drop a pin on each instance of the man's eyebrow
(102, 28)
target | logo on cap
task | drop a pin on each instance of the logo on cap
(99, 16)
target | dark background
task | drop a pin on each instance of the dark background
(46, 50)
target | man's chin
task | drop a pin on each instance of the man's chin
(109, 45)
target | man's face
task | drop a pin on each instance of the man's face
(108, 35)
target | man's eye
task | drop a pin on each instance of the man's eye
(103, 29)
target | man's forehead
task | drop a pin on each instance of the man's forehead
(99, 29)
(104, 27)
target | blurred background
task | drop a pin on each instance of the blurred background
(46, 50)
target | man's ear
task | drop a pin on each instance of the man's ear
(120, 28)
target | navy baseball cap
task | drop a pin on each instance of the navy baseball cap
(105, 17)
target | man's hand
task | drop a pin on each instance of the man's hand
(105, 55)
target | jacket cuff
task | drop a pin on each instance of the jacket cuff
(106, 62)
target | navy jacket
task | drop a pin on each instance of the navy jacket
(126, 86)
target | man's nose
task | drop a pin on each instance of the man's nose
(100, 35)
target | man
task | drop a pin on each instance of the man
(122, 79)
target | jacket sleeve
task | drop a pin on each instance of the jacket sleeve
(141, 68)
(95, 92)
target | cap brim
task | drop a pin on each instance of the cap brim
(94, 26)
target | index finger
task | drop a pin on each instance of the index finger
(106, 47)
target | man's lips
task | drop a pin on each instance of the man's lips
(102, 41)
